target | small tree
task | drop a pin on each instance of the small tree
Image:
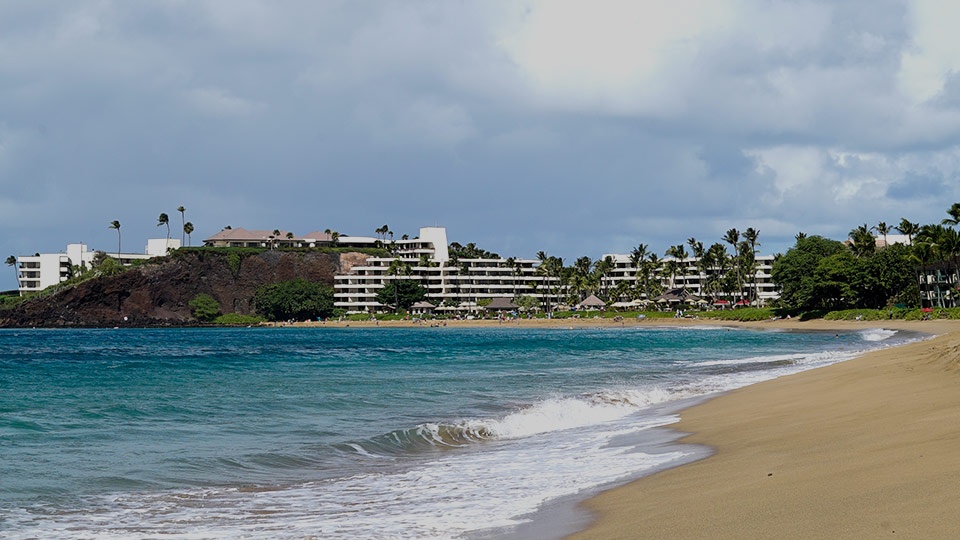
(12, 262)
(164, 219)
(296, 299)
(188, 229)
(204, 307)
(526, 302)
(405, 293)
(116, 225)
(183, 222)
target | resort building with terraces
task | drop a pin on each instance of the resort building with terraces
(455, 285)
(41, 270)
(452, 284)
(692, 278)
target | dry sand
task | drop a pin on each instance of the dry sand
(865, 449)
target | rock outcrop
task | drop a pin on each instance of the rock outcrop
(157, 294)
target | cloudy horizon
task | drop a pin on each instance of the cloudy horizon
(573, 128)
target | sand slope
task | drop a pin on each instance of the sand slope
(869, 449)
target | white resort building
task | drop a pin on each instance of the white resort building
(39, 271)
(451, 284)
(457, 285)
(690, 277)
(276, 238)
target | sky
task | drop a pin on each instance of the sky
(574, 128)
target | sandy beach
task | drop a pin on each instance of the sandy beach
(868, 448)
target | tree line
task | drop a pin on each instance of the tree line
(822, 274)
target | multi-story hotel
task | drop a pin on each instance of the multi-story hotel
(463, 284)
(39, 271)
(451, 284)
(691, 278)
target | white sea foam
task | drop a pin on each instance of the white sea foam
(877, 334)
(446, 498)
(754, 360)
(567, 413)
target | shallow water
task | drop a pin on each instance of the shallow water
(350, 433)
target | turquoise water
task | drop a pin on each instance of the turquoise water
(349, 433)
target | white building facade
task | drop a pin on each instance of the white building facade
(464, 284)
(39, 271)
(452, 285)
(691, 277)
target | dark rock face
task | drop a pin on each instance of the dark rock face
(158, 294)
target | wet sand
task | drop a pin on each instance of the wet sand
(864, 449)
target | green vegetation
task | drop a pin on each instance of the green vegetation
(297, 299)
(8, 301)
(237, 319)
(893, 313)
(401, 294)
(204, 307)
(740, 314)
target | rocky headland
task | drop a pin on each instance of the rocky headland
(158, 293)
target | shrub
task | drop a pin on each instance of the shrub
(204, 307)
(236, 318)
(296, 299)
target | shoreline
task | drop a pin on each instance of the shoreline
(858, 449)
(935, 327)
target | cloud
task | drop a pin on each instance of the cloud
(572, 127)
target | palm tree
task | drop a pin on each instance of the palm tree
(183, 221)
(164, 219)
(334, 238)
(637, 256)
(883, 229)
(12, 262)
(954, 218)
(696, 248)
(863, 243)
(800, 236)
(547, 269)
(679, 253)
(719, 263)
(732, 237)
(273, 237)
(752, 236)
(602, 268)
(188, 230)
(116, 225)
(908, 228)
(397, 268)
(653, 264)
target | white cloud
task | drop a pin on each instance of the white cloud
(610, 55)
(934, 53)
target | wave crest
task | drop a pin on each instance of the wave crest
(546, 416)
(877, 334)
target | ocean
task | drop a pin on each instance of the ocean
(426, 433)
